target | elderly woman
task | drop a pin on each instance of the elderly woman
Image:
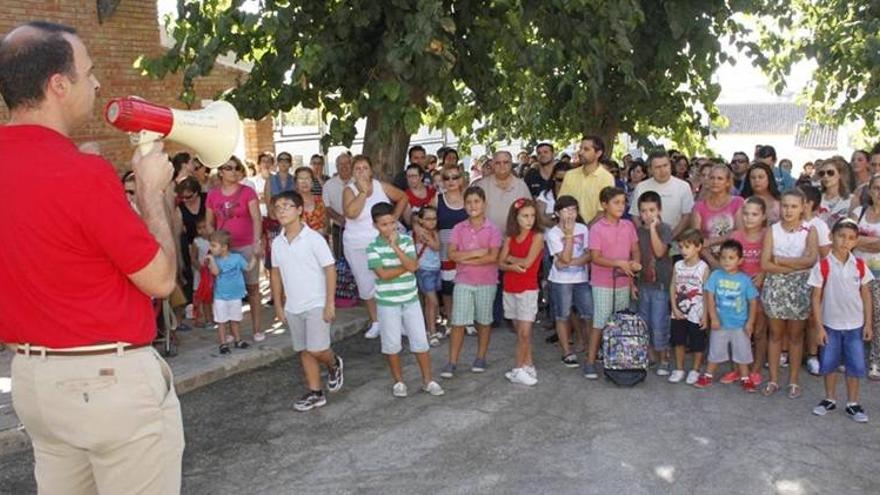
(717, 214)
(235, 208)
(357, 199)
(835, 191)
(314, 214)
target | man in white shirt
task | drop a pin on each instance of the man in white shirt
(676, 195)
(332, 197)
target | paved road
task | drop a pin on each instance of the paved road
(567, 435)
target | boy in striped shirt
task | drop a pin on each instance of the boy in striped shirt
(392, 256)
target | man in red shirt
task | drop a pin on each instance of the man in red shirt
(76, 277)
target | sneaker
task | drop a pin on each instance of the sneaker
(479, 365)
(813, 365)
(824, 407)
(692, 377)
(522, 377)
(856, 412)
(569, 361)
(729, 378)
(259, 337)
(783, 360)
(433, 388)
(434, 341)
(663, 369)
(183, 327)
(676, 376)
(756, 378)
(704, 381)
(448, 371)
(242, 344)
(590, 372)
(399, 389)
(470, 330)
(748, 386)
(335, 376)
(874, 372)
(310, 401)
(373, 332)
(531, 371)
(224, 349)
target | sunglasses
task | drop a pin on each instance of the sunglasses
(451, 177)
(823, 173)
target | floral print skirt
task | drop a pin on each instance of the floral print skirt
(786, 296)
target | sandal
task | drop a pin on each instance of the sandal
(770, 389)
(794, 391)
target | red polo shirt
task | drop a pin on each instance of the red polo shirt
(69, 239)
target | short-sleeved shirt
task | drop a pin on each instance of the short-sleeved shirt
(580, 244)
(585, 188)
(70, 240)
(784, 180)
(398, 290)
(689, 289)
(841, 299)
(833, 210)
(301, 262)
(732, 293)
(229, 284)
(823, 233)
(332, 193)
(867, 229)
(231, 214)
(536, 182)
(467, 238)
(498, 199)
(718, 222)
(751, 264)
(655, 272)
(676, 196)
(614, 241)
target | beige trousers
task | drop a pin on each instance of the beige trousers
(107, 424)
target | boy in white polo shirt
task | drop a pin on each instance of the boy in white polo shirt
(841, 309)
(303, 270)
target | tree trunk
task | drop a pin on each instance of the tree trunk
(388, 153)
(604, 125)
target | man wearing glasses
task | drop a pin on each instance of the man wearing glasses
(97, 400)
(739, 165)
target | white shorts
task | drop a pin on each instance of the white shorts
(363, 276)
(520, 306)
(225, 310)
(397, 321)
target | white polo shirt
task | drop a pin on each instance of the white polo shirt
(841, 301)
(302, 262)
(332, 193)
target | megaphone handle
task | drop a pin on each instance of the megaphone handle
(144, 140)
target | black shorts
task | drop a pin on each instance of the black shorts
(446, 287)
(689, 334)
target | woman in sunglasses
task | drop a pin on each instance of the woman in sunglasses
(835, 191)
(235, 208)
(450, 211)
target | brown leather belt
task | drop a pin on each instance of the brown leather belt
(46, 351)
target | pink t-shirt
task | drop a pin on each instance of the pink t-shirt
(721, 222)
(232, 215)
(615, 242)
(751, 265)
(466, 238)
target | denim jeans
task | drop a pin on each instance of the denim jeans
(654, 309)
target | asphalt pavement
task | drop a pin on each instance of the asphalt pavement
(565, 435)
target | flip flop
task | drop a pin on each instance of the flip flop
(794, 391)
(770, 389)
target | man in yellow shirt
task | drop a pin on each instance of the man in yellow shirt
(587, 181)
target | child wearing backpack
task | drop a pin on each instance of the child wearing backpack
(842, 303)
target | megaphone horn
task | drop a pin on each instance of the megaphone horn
(212, 132)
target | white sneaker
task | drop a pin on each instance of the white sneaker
(676, 376)
(874, 373)
(259, 337)
(521, 376)
(373, 332)
(531, 371)
(470, 330)
(663, 369)
(432, 388)
(399, 389)
(813, 365)
(693, 376)
(783, 360)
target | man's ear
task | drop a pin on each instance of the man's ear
(58, 84)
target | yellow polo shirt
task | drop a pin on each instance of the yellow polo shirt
(585, 188)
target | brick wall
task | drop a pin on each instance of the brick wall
(132, 31)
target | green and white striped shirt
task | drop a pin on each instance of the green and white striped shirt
(399, 290)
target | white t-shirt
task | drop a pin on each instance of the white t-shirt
(676, 199)
(302, 264)
(555, 244)
(689, 289)
(260, 187)
(841, 303)
(202, 248)
(824, 233)
(332, 193)
(867, 228)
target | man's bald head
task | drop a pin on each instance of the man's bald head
(29, 56)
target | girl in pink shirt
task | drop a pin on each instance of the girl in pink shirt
(614, 249)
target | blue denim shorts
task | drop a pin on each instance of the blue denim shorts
(844, 346)
(654, 309)
(428, 280)
(567, 295)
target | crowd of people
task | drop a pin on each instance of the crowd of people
(724, 261)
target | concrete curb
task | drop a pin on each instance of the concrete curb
(16, 439)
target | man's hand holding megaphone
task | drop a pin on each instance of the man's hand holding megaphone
(152, 171)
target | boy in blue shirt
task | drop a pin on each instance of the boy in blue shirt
(228, 269)
(731, 307)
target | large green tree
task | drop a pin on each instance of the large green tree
(843, 38)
